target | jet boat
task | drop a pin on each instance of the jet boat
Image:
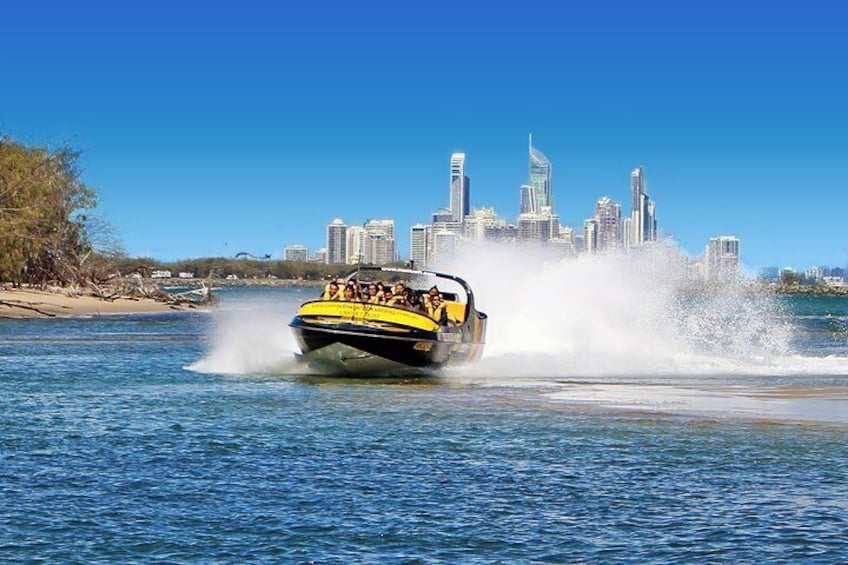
(348, 337)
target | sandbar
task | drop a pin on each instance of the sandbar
(30, 303)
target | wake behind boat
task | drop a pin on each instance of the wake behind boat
(382, 321)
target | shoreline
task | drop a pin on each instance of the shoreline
(234, 283)
(778, 289)
(810, 290)
(29, 303)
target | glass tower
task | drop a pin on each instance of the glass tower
(460, 188)
(540, 178)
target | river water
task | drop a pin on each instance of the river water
(193, 437)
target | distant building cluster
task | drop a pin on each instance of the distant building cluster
(537, 222)
(371, 243)
(610, 228)
(819, 275)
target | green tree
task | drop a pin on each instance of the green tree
(43, 214)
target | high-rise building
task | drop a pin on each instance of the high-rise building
(380, 249)
(539, 227)
(722, 258)
(380, 242)
(643, 212)
(528, 199)
(297, 253)
(651, 220)
(564, 242)
(608, 223)
(590, 237)
(481, 223)
(418, 245)
(530, 227)
(444, 245)
(337, 242)
(442, 221)
(460, 188)
(356, 239)
(540, 178)
(442, 215)
(627, 233)
(380, 226)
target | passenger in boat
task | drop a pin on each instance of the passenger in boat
(436, 310)
(357, 288)
(387, 296)
(364, 296)
(379, 293)
(413, 300)
(373, 298)
(331, 292)
(398, 296)
(434, 291)
(349, 295)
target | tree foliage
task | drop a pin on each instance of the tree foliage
(221, 267)
(43, 221)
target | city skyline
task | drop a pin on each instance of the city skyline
(249, 127)
(609, 230)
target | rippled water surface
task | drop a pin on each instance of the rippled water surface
(114, 448)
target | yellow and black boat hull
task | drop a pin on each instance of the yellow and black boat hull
(374, 340)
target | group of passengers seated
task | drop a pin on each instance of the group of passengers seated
(431, 303)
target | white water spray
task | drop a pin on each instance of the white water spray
(620, 314)
(252, 337)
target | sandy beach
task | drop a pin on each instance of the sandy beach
(28, 303)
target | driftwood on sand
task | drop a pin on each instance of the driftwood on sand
(117, 294)
(134, 288)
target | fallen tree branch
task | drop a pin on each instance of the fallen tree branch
(31, 306)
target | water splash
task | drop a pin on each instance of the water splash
(252, 337)
(620, 314)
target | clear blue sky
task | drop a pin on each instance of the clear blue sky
(212, 127)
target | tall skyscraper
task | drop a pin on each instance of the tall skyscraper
(336, 242)
(608, 224)
(590, 237)
(651, 220)
(722, 258)
(627, 233)
(418, 245)
(528, 199)
(460, 188)
(540, 178)
(356, 239)
(642, 209)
